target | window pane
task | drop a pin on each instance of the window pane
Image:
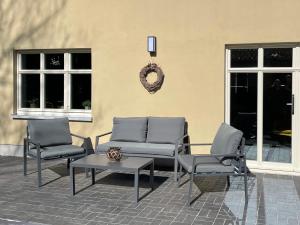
(30, 93)
(243, 109)
(278, 57)
(54, 61)
(81, 61)
(277, 120)
(244, 58)
(81, 91)
(54, 91)
(30, 61)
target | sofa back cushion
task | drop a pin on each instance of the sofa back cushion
(165, 130)
(226, 141)
(129, 129)
(50, 132)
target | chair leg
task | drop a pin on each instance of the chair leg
(25, 157)
(228, 181)
(179, 177)
(246, 185)
(190, 188)
(68, 163)
(39, 168)
(175, 169)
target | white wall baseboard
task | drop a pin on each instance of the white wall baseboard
(11, 150)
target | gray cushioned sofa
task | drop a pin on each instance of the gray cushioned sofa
(155, 137)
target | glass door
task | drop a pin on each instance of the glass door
(243, 110)
(277, 117)
(261, 83)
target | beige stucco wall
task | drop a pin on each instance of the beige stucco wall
(191, 37)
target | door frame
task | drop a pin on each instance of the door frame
(259, 164)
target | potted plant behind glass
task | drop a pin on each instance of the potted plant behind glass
(86, 104)
(33, 103)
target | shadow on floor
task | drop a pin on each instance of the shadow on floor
(126, 180)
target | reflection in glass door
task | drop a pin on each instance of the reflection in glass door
(277, 117)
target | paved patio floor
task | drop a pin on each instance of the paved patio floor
(273, 199)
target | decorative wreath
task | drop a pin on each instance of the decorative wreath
(152, 67)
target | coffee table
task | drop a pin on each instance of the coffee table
(126, 164)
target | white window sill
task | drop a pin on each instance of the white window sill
(76, 117)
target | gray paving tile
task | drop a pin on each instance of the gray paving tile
(273, 199)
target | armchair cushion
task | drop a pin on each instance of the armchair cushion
(129, 129)
(207, 164)
(226, 141)
(50, 132)
(165, 130)
(57, 151)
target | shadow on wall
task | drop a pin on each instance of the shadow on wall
(25, 24)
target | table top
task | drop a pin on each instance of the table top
(98, 161)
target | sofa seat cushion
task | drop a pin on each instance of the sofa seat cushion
(208, 164)
(139, 148)
(165, 130)
(129, 129)
(58, 151)
(50, 132)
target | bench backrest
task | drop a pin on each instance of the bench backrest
(148, 129)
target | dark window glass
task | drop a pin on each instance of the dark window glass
(243, 109)
(81, 61)
(54, 61)
(54, 91)
(30, 61)
(81, 91)
(30, 91)
(278, 57)
(244, 58)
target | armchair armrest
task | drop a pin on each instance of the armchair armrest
(37, 145)
(87, 144)
(227, 156)
(78, 136)
(33, 143)
(101, 135)
(216, 155)
(198, 144)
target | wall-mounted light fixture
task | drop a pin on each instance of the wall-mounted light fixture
(151, 44)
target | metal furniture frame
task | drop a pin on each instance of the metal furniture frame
(130, 164)
(179, 143)
(27, 142)
(240, 168)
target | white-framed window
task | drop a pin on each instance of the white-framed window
(54, 83)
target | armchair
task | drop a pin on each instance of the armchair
(51, 139)
(227, 158)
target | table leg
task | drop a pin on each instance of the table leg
(152, 175)
(136, 186)
(93, 175)
(72, 177)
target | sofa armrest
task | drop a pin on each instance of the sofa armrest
(98, 137)
(178, 143)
